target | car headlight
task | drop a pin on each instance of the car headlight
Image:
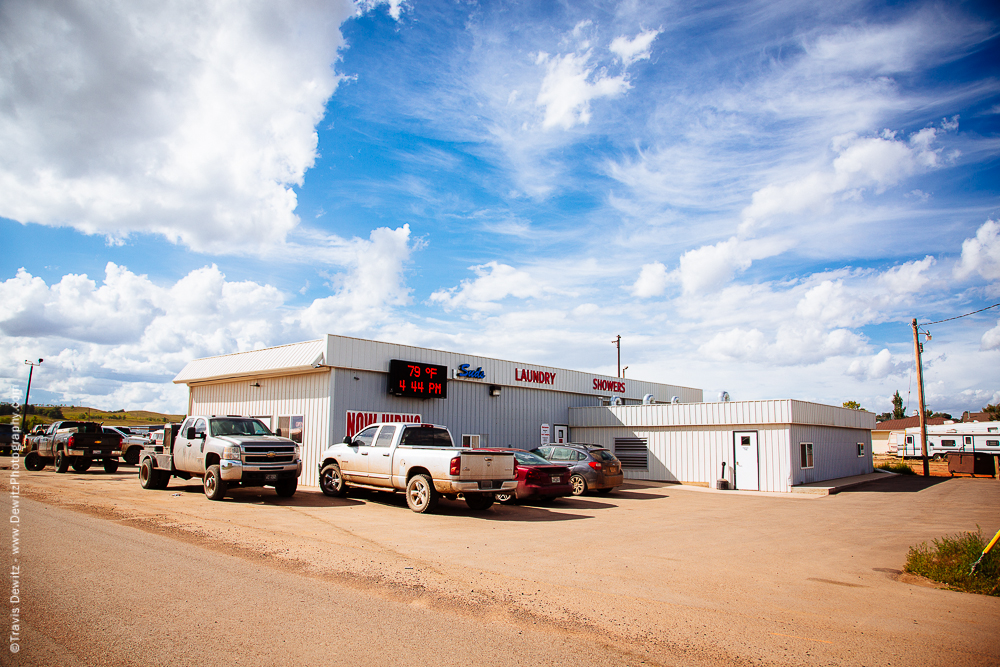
(231, 453)
(298, 452)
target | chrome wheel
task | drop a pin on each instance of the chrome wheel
(579, 485)
(331, 481)
(420, 494)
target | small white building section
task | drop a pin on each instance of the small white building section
(286, 387)
(766, 445)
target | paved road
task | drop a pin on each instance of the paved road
(663, 574)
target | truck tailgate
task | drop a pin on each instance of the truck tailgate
(486, 465)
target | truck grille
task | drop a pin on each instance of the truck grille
(268, 454)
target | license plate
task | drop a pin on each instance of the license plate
(556, 479)
(270, 478)
(486, 485)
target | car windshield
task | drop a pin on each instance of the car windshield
(230, 426)
(602, 455)
(426, 436)
(527, 458)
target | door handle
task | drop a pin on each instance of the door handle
(386, 454)
(364, 453)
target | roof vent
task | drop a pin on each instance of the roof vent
(617, 400)
(675, 399)
(723, 397)
(647, 399)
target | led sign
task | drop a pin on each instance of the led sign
(414, 379)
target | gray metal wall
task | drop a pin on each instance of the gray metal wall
(835, 452)
(694, 454)
(512, 419)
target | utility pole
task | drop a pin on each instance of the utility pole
(618, 342)
(917, 349)
(27, 394)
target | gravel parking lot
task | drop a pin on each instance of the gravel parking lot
(678, 575)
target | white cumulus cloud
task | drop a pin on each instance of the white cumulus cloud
(653, 280)
(494, 282)
(991, 339)
(192, 120)
(981, 254)
(862, 163)
(877, 367)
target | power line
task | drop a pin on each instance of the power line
(927, 324)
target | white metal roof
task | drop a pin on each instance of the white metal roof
(268, 361)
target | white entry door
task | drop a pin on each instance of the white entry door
(747, 470)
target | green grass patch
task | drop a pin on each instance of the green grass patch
(896, 467)
(949, 561)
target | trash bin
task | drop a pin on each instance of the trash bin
(722, 484)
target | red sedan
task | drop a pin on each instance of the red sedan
(536, 478)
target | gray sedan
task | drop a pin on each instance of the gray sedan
(593, 468)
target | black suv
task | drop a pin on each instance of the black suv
(594, 468)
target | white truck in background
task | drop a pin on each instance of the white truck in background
(420, 460)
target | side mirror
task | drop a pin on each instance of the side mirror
(347, 440)
(189, 433)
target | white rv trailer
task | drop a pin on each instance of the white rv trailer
(966, 438)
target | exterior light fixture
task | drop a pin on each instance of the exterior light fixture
(494, 390)
(256, 384)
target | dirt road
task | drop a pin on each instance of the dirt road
(656, 574)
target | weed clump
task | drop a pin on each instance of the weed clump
(896, 467)
(949, 560)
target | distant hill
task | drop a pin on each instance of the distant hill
(120, 417)
(48, 414)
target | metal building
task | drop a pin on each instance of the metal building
(316, 392)
(760, 445)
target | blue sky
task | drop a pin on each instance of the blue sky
(757, 196)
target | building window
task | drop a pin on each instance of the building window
(291, 427)
(806, 451)
(632, 452)
(474, 440)
(861, 449)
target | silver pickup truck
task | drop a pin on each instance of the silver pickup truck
(226, 452)
(420, 460)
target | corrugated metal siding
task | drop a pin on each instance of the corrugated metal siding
(695, 454)
(303, 394)
(284, 358)
(686, 414)
(368, 355)
(834, 452)
(743, 413)
(512, 419)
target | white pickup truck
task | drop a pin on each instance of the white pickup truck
(420, 460)
(227, 452)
